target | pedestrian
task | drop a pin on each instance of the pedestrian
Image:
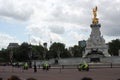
(26, 66)
(39, 66)
(86, 78)
(31, 79)
(14, 77)
(1, 78)
(35, 67)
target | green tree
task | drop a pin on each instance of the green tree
(114, 46)
(57, 50)
(4, 55)
(65, 54)
(77, 51)
(39, 52)
(23, 52)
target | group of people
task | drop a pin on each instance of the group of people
(45, 66)
(14, 77)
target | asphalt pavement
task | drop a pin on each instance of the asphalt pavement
(61, 74)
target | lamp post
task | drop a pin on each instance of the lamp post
(11, 56)
(45, 47)
(58, 53)
(30, 56)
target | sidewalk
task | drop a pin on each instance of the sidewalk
(63, 74)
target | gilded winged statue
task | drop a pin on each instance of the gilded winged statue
(95, 19)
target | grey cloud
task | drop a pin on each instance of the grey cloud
(57, 29)
(111, 30)
(11, 10)
(66, 10)
(110, 18)
(60, 14)
(38, 30)
(5, 39)
(109, 12)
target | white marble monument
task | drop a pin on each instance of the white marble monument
(96, 42)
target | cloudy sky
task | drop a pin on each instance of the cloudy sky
(66, 21)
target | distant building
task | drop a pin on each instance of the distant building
(12, 45)
(82, 43)
(45, 45)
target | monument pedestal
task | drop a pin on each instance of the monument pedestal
(95, 46)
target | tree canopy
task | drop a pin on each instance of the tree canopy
(114, 47)
(27, 52)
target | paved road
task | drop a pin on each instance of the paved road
(63, 74)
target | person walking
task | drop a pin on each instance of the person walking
(35, 67)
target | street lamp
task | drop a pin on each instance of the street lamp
(45, 47)
(30, 56)
(11, 56)
(58, 53)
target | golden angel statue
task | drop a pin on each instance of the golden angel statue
(95, 19)
(95, 12)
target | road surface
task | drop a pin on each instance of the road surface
(61, 74)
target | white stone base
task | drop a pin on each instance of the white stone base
(96, 42)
